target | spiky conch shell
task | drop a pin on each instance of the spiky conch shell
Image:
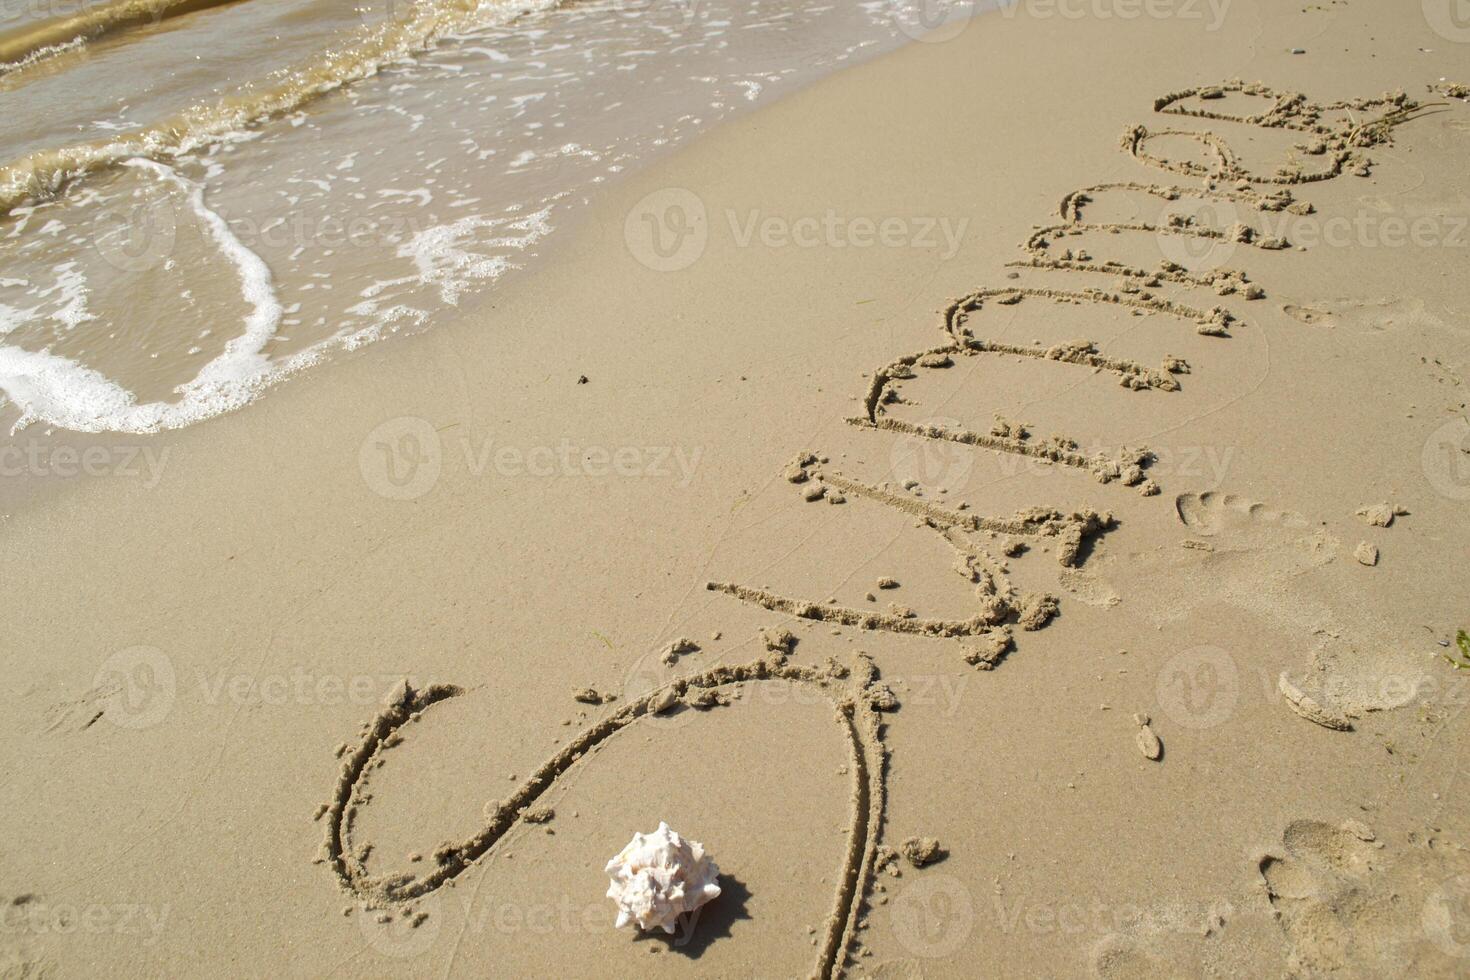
(659, 876)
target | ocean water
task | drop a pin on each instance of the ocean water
(200, 199)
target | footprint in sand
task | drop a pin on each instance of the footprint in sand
(1298, 580)
(1336, 134)
(1130, 958)
(1088, 587)
(1250, 556)
(1175, 940)
(1367, 314)
(1306, 314)
(1349, 905)
(1327, 900)
(1209, 513)
(1279, 543)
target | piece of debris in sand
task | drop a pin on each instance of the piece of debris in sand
(1303, 704)
(1366, 554)
(1147, 739)
(705, 699)
(795, 471)
(682, 645)
(1380, 515)
(988, 649)
(921, 851)
(663, 701)
(779, 640)
(589, 695)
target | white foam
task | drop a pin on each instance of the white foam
(56, 390)
(242, 357)
(443, 257)
(11, 318)
(72, 286)
(39, 54)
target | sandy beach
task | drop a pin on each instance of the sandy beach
(1049, 438)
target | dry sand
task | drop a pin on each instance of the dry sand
(1064, 550)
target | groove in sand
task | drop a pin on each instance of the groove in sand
(852, 689)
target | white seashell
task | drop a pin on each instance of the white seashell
(659, 876)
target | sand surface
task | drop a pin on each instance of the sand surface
(1169, 703)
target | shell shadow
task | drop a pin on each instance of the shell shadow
(699, 929)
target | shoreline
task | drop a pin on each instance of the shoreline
(145, 229)
(388, 521)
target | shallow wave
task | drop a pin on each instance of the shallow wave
(42, 174)
(24, 45)
(142, 298)
(56, 390)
